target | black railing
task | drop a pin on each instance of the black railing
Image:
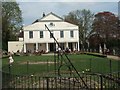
(92, 80)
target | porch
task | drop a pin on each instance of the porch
(50, 47)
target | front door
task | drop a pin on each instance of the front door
(52, 47)
(62, 46)
(70, 45)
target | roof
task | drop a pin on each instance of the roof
(57, 23)
(57, 26)
(51, 16)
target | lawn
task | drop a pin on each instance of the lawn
(32, 65)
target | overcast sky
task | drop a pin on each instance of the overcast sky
(33, 10)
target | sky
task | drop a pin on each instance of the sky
(68, 0)
(33, 9)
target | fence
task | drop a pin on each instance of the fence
(92, 80)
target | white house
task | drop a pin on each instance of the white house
(37, 37)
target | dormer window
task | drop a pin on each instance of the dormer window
(51, 24)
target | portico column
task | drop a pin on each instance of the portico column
(74, 48)
(36, 46)
(56, 46)
(78, 46)
(67, 44)
(24, 47)
(47, 47)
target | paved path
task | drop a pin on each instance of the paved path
(48, 54)
(108, 56)
(113, 57)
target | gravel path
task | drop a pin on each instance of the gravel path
(38, 63)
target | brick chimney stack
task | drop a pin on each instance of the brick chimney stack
(43, 14)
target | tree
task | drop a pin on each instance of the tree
(82, 18)
(11, 22)
(105, 26)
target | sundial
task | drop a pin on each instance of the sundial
(62, 62)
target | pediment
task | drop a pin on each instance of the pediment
(51, 17)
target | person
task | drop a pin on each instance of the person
(59, 49)
(108, 51)
(11, 60)
(113, 51)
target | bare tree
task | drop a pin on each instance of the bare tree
(82, 18)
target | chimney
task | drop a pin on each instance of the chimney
(43, 14)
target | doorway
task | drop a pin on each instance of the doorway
(52, 47)
(70, 45)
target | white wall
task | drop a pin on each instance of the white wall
(58, 25)
(46, 37)
(20, 39)
(14, 46)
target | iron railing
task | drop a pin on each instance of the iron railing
(31, 81)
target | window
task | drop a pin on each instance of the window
(51, 24)
(30, 34)
(61, 34)
(41, 34)
(71, 34)
(51, 34)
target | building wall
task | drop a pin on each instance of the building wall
(46, 37)
(55, 24)
(20, 39)
(14, 46)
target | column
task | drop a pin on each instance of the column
(88, 46)
(100, 48)
(67, 44)
(78, 46)
(36, 47)
(74, 44)
(24, 47)
(56, 46)
(47, 47)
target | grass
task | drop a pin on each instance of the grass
(81, 63)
